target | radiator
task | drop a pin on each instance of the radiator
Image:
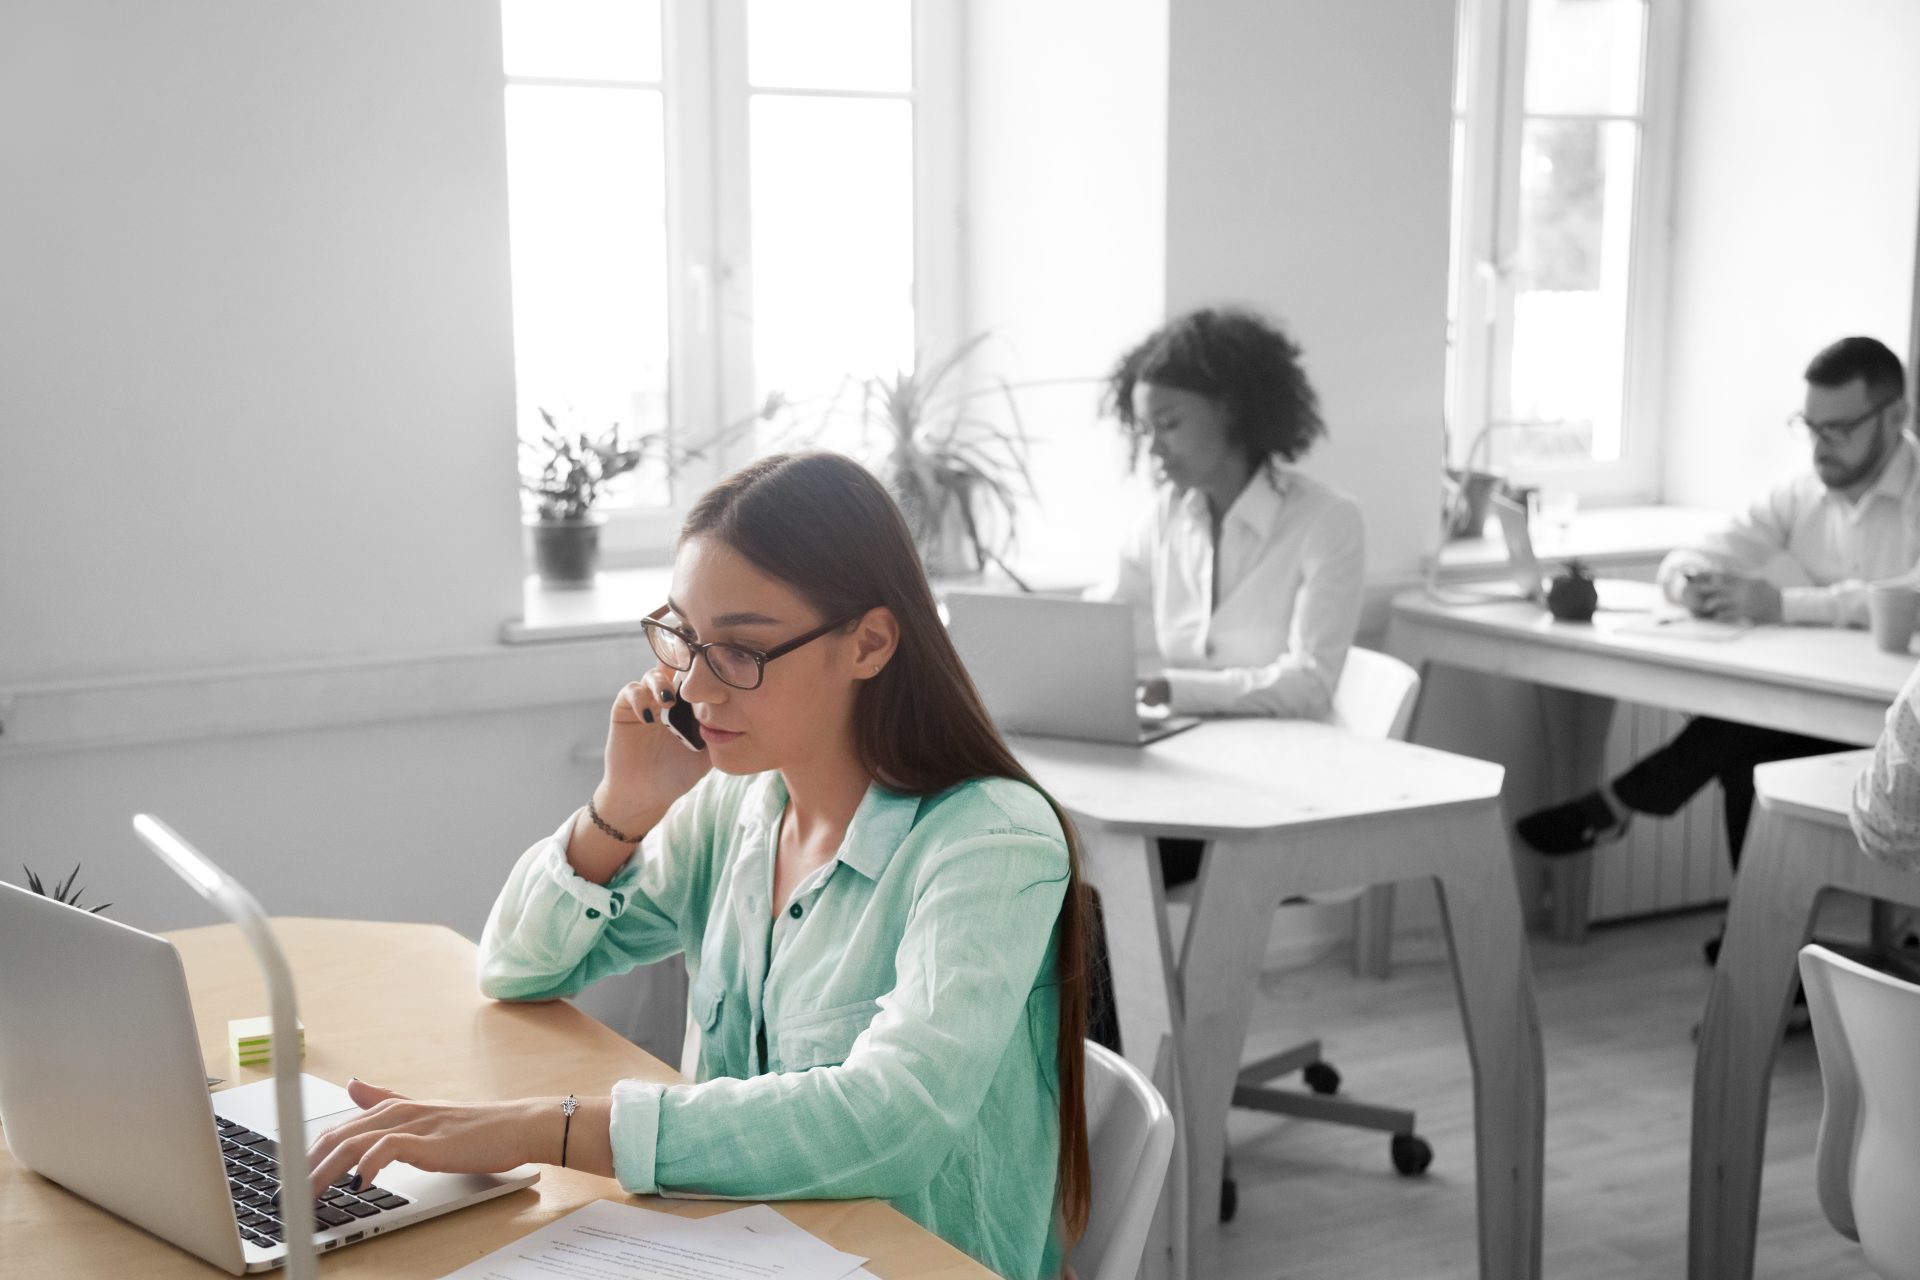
(1664, 864)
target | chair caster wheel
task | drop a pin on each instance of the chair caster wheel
(1321, 1077)
(1411, 1154)
(1229, 1199)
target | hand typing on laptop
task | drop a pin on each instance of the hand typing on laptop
(459, 1137)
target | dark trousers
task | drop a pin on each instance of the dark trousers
(1709, 749)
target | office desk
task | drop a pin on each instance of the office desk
(1293, 807)
(397, 1004)
(1801, 845)
(1825, 681)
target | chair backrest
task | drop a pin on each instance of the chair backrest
(1375, 695)
(1129, 1142)
(1866, 1025)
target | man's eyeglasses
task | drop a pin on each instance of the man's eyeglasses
(1840, 432)
(732, 664)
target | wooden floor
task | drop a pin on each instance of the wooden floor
(1617, 1012)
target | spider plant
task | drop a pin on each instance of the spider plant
(951, 469)
(64, 891)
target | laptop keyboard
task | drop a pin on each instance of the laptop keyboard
(253, 1176)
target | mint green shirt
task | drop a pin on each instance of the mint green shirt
(891, 1033)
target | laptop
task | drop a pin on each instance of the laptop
(103, 1090)
(1617, 595)
(1056, 667)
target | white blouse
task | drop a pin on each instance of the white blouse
(1292, 567)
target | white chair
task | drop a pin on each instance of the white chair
(1375, 698)
(1129, 1143)
(1866, 1025)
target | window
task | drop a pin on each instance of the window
(1562, 117)
(715, 201)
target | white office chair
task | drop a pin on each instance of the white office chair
(1866, 1025)
(1129, 1143)
(1375, 698)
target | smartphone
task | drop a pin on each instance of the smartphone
(685, 727)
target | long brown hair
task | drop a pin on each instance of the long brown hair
(822, 524)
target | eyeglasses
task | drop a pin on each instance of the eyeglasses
(1840, 432)
(732, 664)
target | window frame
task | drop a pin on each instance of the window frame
(709, 236)
(1490, 115)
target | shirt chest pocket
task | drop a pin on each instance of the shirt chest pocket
(822, 1037)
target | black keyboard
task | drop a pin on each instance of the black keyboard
(253, 1176)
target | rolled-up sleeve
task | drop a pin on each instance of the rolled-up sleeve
(1300, 681)
(883, 1122)
(1886, 798)
(552, 932)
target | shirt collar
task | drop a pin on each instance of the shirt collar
(1258, 505)
(878, 828)
(1898, 476)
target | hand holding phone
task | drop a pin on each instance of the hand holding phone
(685, 727)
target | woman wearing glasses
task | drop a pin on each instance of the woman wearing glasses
(881, 915)
(1245, 573)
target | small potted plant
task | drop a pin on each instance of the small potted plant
(64, 891)
(564, 475)
(955, 474)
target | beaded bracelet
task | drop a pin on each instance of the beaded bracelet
(601, 823)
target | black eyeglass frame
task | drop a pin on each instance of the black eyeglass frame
(695, 648)
(1841, 432)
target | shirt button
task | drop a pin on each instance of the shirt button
(794, 911)
(593, 913)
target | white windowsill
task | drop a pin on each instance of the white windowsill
(1600, 538)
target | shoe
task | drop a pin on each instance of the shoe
(1573, 827)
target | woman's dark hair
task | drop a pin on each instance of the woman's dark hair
(1239, 359)
(821, 524)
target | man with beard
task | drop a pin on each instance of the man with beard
(1854, 521)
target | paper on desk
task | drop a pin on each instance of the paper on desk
(764, 1218)
(607, 1240)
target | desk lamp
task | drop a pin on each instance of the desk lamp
(239, 906)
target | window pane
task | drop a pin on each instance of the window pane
(832, 241)
(587, 198)
(1570, 300)
(1583, 56)
(582, 39)
(830, 44)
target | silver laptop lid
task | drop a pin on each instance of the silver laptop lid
(102, 1086)
(1521, 560)
(1049, 665)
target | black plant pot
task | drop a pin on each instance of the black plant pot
(566, 553)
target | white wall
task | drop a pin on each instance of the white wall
(255, 341)
(1308, 174)
(1066, 120)
(1795, 207)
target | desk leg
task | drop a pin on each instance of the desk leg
(1494, 978)
(1768, 921)
(1126, 870)
(1233, 908)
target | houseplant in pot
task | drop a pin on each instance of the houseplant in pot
(956, 474)
(564, 476)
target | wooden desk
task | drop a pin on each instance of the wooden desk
(1825, 681)
(397, 1004)
(1294, 807)
(1800, 847)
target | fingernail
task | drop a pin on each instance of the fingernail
(666, 695)
(356, 1183)
(353, 1079)
(646, 715)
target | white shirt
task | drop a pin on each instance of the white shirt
(1821, 549)
(1886, 799)
(1292, 568)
